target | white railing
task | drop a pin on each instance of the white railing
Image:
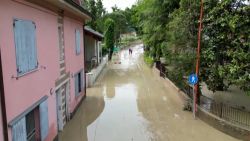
(95, 72)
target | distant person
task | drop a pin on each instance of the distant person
(130, 51)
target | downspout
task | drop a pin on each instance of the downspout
(3, 106)
(85, 71)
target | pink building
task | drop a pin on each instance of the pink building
(42, 63)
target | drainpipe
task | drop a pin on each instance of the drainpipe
(3, 106)
(84, 61)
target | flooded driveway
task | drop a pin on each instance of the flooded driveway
(129, 104)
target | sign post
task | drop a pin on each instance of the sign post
(192, 80)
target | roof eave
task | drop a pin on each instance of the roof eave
(68, 6)
(94, 33)
(77, 8)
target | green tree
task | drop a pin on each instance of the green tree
(93, 11)
(152, 17)
(120, 23)
(131, 23)
(99, 9)
(179, 49)
(115, 8)
(226, 55)
(169, 28)
(85, 4)
(100, 16)
(109, 36)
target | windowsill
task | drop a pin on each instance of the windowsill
(26, 73)
(79, 94)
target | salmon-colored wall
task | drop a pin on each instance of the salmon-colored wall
(74, 63)
(28, 89)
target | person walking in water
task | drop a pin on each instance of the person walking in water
(130, 51)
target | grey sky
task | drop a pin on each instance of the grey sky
(122, 4)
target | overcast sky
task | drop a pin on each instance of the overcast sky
(122, 4)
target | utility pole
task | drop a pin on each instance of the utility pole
(198, 54)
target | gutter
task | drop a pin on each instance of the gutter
(79, 7)
(3, 105)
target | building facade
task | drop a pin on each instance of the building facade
(94, 59)
(42, 57)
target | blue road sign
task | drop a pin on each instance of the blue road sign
(192, 79)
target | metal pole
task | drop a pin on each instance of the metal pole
(194, 103)
(198, 55)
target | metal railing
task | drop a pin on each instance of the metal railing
(232, 113)
(94, 73)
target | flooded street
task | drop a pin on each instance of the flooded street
(129, 104)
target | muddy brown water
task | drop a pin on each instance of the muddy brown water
(128, 103)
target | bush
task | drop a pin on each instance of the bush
(148, 60)
(109, 37)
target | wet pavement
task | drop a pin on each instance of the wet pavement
(129, 104)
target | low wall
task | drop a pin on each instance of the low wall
(93, 75)
(216, 122)
(224, 126)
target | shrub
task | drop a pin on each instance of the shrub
(148, 60)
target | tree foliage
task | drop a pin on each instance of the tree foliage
(95, 7)
(120, 23)
(100, 16)
(109, 36)
(226, 55)
(169, 29)
(93, 11)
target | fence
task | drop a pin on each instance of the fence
(93, 75)
(231, 113)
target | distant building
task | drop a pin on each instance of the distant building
(128, 34)
(42, 53)
(131, 33)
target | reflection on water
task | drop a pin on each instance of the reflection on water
(120, 120)
(89, 110)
